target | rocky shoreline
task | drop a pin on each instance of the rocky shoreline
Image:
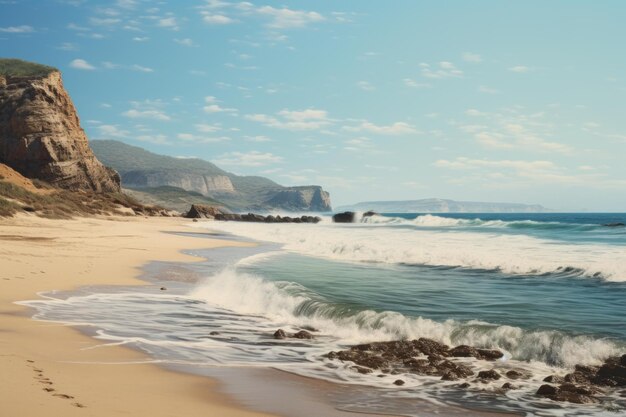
(199, 211)
(586, 385)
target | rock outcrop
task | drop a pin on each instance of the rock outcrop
(345, 217)
(201, 211)
(312, 198)
(422, 357)
(41, 137)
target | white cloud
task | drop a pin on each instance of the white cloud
(216, 19)
(107, 21)
(397, 128)
(512, 129)
(112, 131)
(190, 137)
(409, 82)
(487, 90)
(139, 68)
(141, 38)
(288, 19)
(518, 165)
(185, 42)
(366, 86)
(110, 65)
(153, 114)
(474, 113)
(168, 22)
(527, 173)
(519, 69)
(470, 57)
(17, 29)
(81, 64)
(442, 70)
(216, 108)
(259, 138)
(207, 128)
(309, 119)
(248, 159)
(74, 26)
(213, 107)
(159, 139)
(68, 46)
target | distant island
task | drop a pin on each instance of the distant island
(437, 205)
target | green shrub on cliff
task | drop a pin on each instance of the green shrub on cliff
(18, 68)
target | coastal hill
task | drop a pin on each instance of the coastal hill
(46, 165)
(40, 133)
(437, 205)
(168, 181)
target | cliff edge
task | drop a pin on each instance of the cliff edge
(40, 133)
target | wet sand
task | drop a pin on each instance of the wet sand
(56, 370)
(53, 370)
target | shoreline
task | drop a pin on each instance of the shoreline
(152, 258)
(55, 370)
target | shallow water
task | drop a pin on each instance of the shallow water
(549, 304)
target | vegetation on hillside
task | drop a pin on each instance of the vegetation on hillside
(64, 204)
(126, 158)
(18, 68)
(173, 198)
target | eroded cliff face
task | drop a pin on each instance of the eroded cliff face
(203, 184)
(305, 198)
(41, 137)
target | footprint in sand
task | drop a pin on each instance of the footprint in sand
(46, 381)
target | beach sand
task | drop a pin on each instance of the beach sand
(51, 370)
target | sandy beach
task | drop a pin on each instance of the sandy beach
(52, 370)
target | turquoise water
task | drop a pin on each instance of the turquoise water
(546, 289)
(574, 305)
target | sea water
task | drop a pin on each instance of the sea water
(548, 290)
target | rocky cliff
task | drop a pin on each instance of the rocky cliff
(295, 198)
(149, 173)
(40, 133)
(203, 184)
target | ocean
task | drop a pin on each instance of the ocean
(548, 290)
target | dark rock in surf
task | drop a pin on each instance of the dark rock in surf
(302, 334)
(616, 224)
(345, 217)
(554, 379)
(513, 374)
(398, 382)
(612, 373)
(362, 370)
(280, 334)
(489, 375)
(370, 214)
(464, 351)
(569, 393)
(214, 333)
(405, 356)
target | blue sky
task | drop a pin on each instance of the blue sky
(515, 101)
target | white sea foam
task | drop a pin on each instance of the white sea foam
(247, 309)
(513, 254)
(291, 304)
